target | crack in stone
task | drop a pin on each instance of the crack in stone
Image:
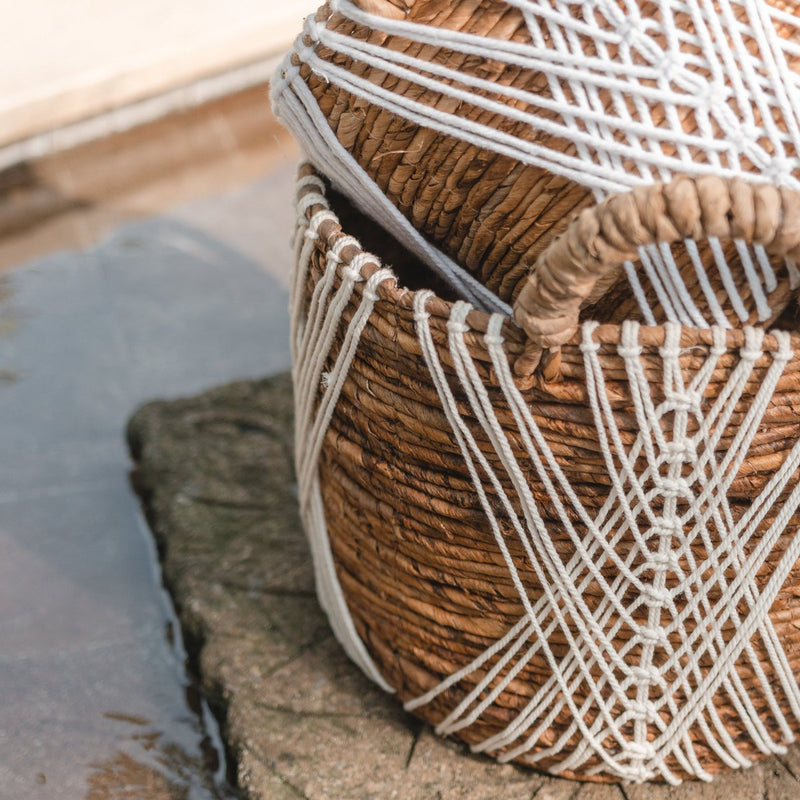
(785, 764)
(287, 783)
(417, 727)
(217, 502)
(312, 713)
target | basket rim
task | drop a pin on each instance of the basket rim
(330, 230)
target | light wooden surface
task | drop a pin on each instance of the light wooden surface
(61, 62)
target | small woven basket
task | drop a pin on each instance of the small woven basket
(373, 68)
(573, 546)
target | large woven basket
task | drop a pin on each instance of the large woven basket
(576, 547)
(372, 68)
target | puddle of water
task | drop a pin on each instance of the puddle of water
(124, 777)
(9, 318)
(168, 762)
(147, 765)
(96, 703)
(8, 322)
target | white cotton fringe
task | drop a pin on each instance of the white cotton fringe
(311, 339)
(678, 441)
(297, 109)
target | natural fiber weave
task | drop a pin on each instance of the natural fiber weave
(601, 239)
(493, 213)
(429, 585)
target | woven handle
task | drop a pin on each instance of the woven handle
(602, 238)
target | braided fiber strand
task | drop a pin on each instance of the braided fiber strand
(473, 132)
(594, 577)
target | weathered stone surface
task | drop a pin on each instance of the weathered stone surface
(300, 721)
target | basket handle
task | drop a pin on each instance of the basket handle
(603, 237)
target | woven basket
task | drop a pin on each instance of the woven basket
(492, 213)
(568, 627)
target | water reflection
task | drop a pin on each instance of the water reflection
(8, 321)
(146, 764)
(92, 335)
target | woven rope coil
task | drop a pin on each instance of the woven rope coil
(484, 126)
(597, 575)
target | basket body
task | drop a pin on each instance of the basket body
(492, 206)
(595, 577)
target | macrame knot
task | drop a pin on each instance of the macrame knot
(651, 635)
(360, 260)
(339, 245)
(631, 31)
(753, 341)
(456, 323)
(682, 401)
(669, 65)
(647, 677)
(640, 751)
(784, 353)
(743, 136)
(643, 711)
(751, 354)
(684, 451)
(589, 345)
(714, 97)
(669, 352)
(779, 170)
(629, 351)
(638, 773)
(666, 526)
(493, 336)
(663, 562)
(421, 314)
(656, 597)
(370, 293)
(351, 274)
(317, 220)
(675, 487)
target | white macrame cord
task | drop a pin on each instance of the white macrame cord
(311, 341)
(679, 498)
(624, 115)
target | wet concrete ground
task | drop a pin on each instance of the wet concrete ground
(94, 698)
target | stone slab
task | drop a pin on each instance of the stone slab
(299, 720)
